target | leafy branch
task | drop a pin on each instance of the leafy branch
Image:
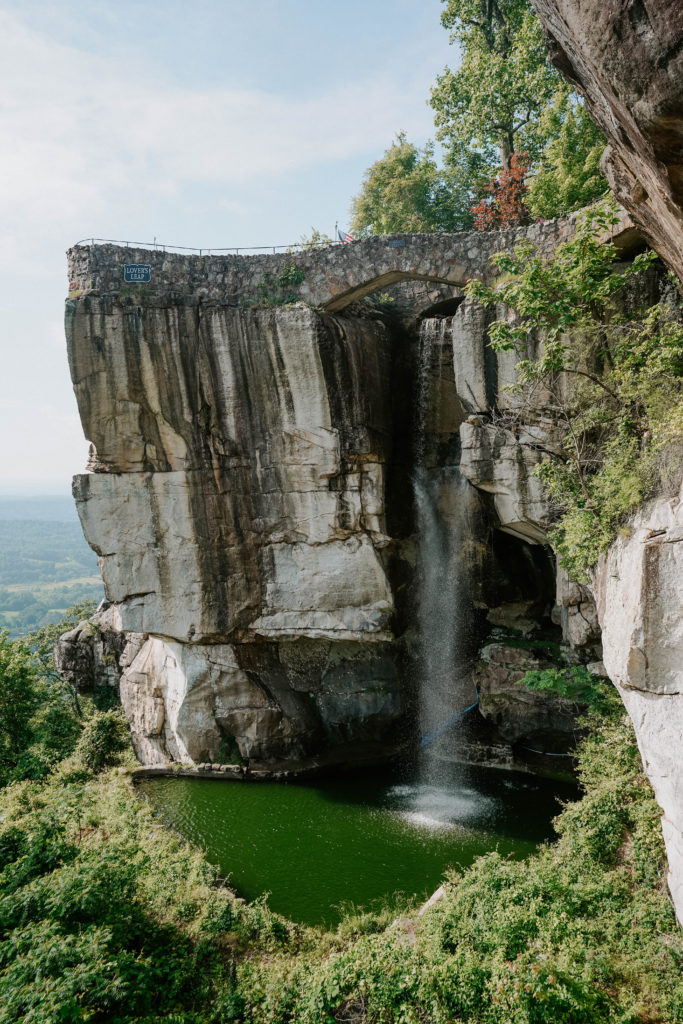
(610, 376)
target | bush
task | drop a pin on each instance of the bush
(580, 933)
(103, 739)
(108, 917)
(91, 890)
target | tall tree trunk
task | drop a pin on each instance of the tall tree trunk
(506, 149)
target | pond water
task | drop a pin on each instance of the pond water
(355, 839)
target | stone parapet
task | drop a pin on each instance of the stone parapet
(333, 276)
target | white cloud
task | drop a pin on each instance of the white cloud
(106, 145)
(87, 135)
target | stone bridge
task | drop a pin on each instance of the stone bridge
(331, 277)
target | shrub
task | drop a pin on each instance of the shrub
(103, 739)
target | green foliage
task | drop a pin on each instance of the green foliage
(105, 916)
(41, 716)
(19, 701)
(39, 724)
(574, 683)
(580, 932)
(42, 719)
(104, 737)
(283, 289)
(406, 191)
(612, 377)
(504, 99)
(316, 240)
(568, 175)
(503, 84)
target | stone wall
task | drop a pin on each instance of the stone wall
(333, 276)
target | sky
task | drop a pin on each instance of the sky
(210, 124)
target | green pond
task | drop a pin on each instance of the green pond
(356, 839)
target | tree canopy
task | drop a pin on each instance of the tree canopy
(495, 99)
(405, 190)
(503, 108)
(568, 174)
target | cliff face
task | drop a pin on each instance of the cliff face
(639, 591)
(227, 442)
(251, 501)
(626, 59)
(238, 496)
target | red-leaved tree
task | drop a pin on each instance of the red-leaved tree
(503, 206)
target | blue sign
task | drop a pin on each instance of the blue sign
(396, 243)
(137, 273)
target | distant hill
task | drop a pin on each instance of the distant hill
(56, 508)
(45, 564)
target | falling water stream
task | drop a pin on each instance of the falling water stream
(443, 527)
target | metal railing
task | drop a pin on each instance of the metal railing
(235, 250)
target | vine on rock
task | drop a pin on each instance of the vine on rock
(283, 289)
(609, 373)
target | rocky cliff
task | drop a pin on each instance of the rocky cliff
(626, 58)
(639, 591)
(238, 497)
(250, 497)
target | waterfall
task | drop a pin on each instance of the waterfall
(442, 504)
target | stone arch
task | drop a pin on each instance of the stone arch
(447, 306)
(374, 284)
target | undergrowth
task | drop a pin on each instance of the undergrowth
(580, 932)
(107, 916)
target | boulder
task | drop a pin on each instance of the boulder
(541, 721)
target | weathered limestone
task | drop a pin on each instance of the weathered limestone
(273, 702)
(626, 58)
(500, 463)
(241, 456)
(95, 652)
(639, 591)
(238, 499)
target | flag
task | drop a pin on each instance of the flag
(344, 237)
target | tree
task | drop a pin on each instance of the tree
(503, 205)
(568, 176)
(495, 99)
(406, 191)
(19, 700)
